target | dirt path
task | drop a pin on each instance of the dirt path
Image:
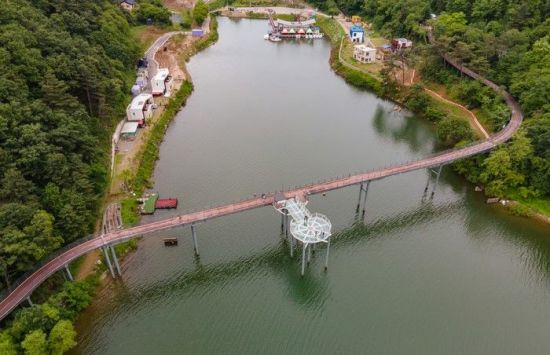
(89, 262)
(473, 118)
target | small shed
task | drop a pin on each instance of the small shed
(357, 34)
(161, 82)
(197, 32)
(364, 54)
(129, 130)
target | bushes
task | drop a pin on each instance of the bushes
(358, 79)
(417, 100)
(48, 328)
(521, 210)
(472, 92)
(452, 130)
(200, 12)
(152, 10)
(211, 38)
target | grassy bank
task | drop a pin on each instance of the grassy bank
(335, 33)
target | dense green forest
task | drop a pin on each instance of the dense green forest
(508, 41)
(66, 71)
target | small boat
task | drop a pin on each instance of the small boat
(274, 38)
(266, 36)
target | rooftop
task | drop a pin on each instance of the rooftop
(162, 74)
(364, 48)
(139, 101)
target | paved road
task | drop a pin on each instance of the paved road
(26, 288)
(153, 49)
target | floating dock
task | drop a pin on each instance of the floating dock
(151, 202)
(166, 203)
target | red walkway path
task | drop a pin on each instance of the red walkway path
(25, 288)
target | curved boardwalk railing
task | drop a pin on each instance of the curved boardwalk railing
(25, 286)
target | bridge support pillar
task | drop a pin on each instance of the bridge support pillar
(68, 271)
(438, 174)
(366, 189)
(29, 300)
(359, 200)
(291, 241)
(304, 250)
(287, 226)
(328, 252)
(309, 253)
(108, 261)
(195, 243)
(427, 182)
(115, 260)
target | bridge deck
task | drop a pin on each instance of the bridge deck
(25, 288)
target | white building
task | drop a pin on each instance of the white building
(364, 54)
(161, 83)
(401, 43)
(141, 108)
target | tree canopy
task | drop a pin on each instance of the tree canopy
(200, 12)
(64, 80)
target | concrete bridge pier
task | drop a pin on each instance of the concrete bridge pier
(29, 300)
(195, 243)
(115, 259)
(108, 261)
(366, 189)
(287, 225)
(284, 223)
(68, 271)
(328, 252)
(438, 174)
(359, 200)
(304, 250)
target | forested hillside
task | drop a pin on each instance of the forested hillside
(506, 40)
(66, 69)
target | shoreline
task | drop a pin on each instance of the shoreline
(149, 151)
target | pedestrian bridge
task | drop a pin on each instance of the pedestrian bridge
(25, 286)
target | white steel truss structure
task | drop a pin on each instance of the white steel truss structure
(309, 228)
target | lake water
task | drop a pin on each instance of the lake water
(448, 275)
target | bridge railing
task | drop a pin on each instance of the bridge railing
(4, 292)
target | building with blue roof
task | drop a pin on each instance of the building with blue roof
(357, 34)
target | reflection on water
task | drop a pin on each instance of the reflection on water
(423, 275)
